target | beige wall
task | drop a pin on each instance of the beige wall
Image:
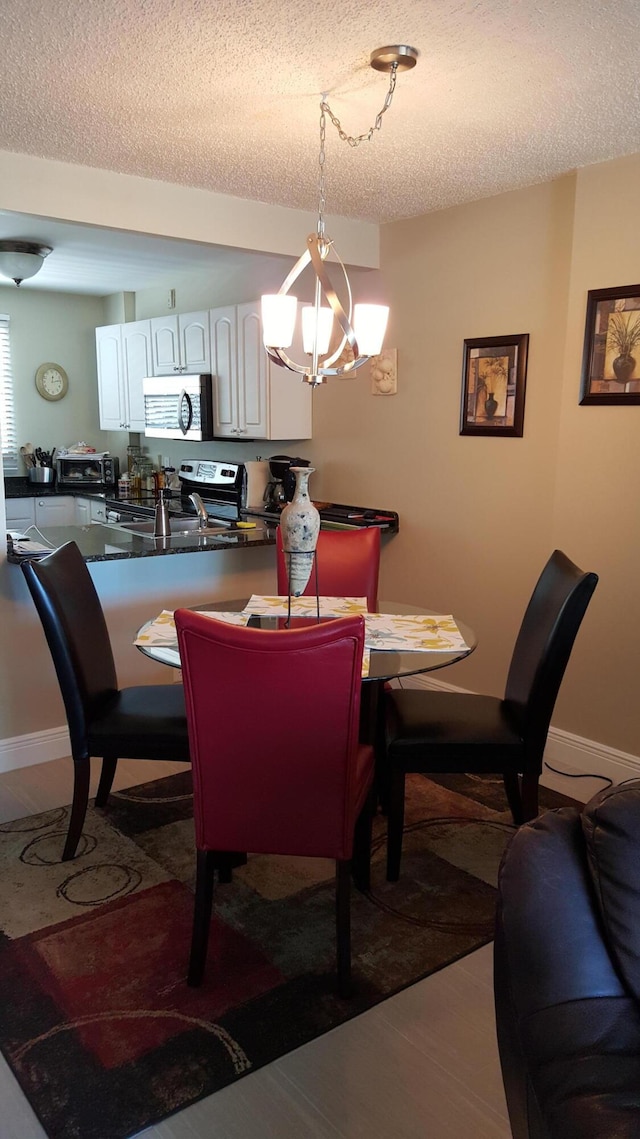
(597, 510)
(91, 196)
(479, 516)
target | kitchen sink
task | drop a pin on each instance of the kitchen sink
(179, 527)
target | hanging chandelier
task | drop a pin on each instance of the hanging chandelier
(361, 326)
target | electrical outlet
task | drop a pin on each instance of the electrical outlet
(171, 298)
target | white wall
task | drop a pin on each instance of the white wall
(55, 327)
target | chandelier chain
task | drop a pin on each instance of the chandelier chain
(321, 177)
(352, 140)
(355, 140)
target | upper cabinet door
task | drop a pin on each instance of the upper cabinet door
(253, 415)
(180, 344)
(195, 352)
(224, 369)
(113, 414)
(136, 364)
(165, 346)
(290, 398)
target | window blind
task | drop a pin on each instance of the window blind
(7, 412)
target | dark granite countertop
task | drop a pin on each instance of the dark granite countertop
(22, 488)
(101, 543)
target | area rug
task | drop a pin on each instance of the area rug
(97, 1022)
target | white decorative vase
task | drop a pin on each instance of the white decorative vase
(299, 526)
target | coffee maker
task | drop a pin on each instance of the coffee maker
(282, 484)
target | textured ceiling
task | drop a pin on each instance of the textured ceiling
(225, 95)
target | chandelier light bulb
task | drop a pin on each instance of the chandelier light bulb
(278, 319)
(316, 334)
(370, 325)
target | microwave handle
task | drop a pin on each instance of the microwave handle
(185, 397)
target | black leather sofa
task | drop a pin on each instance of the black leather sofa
(567, 971)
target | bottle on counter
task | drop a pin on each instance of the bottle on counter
(134, 453)
(123, 485)
(147, 485)
(171, 478)
(162, 524)
(134, 480)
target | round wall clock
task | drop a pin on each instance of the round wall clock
(52, 381)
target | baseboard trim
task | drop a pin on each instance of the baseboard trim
(588, 765)
(37, 747)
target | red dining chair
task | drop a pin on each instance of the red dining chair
(292, 779)
(347, 565)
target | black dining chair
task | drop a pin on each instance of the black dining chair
(445, 732)
(145, 722)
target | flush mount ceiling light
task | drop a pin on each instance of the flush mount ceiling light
(362, 326)
(22, 259)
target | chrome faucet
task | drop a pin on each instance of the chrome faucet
(201, 509)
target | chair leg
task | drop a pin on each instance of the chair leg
(202, 907)
(372, 731)
(226, 861)
(361, 861)
(106, 780)
(530, 808)
(395, 824)
(343, 926)
(511, 781)
(81, 777)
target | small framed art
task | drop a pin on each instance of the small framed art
(611, 355)
(494, 373)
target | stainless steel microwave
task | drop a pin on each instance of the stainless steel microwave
(178, 407)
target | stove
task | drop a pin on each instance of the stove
(219, 483)
(222, 487)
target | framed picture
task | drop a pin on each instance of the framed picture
(494, 373)
(611, 356)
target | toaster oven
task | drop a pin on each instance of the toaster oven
(85, 471)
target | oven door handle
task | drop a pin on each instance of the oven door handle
(185, 398)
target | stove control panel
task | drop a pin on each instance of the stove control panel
(210, 472)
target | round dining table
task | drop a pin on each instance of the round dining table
(384, 665)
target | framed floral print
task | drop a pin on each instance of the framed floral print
(611, 355)
(494, 373)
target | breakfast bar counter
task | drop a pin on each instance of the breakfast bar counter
(104, 543)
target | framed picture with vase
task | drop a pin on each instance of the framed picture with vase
(494, 373)
(611, 354)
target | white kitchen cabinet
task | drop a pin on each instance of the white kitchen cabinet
(224, 368)
(90, 510)
(20, 513)
(124, 359)
(253, 367)
(180, 344)
(253, 398)
(59, 510)
(83, 511)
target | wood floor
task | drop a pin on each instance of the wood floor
(421, 1065)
